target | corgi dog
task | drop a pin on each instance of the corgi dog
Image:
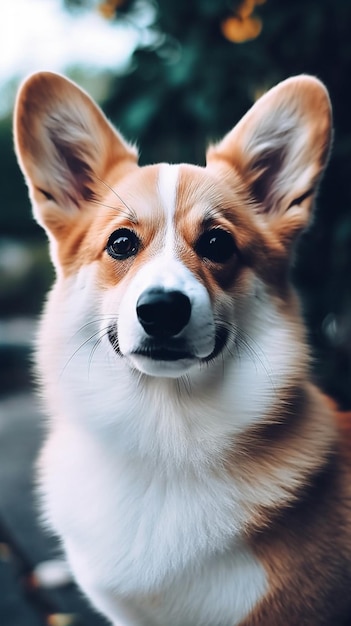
(194, 472)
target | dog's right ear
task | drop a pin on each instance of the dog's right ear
(65, 146)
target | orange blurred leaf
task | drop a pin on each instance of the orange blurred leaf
(108, 8)
(240, 30)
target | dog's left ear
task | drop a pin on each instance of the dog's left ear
(279, 149)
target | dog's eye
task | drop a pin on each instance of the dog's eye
(216, 245)
(122, 244)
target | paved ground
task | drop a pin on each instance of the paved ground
(23, 545)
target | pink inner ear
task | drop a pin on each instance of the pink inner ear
(72, 151)
(78, 170)
(264, 173)
(47, 195)
(301, 198)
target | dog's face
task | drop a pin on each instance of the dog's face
(179, 262)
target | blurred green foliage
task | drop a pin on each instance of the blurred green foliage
(187, 84)
(15, 214)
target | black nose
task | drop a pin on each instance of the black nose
(163, 313)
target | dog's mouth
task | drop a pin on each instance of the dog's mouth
(159, 353)
(173, 351)
(113, 339)
(222, 336)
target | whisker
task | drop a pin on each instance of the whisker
(256, 358)
(93, 351)
(96, 334)
(243, 342)
(183, 385)
(95, 321)
(107, 206)
(131, 213)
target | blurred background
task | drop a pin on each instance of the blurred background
(173, 76)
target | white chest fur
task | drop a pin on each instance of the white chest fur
(138, 533)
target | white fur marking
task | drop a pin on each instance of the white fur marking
(167, 186)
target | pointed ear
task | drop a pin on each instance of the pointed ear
(65, 146)
(280, 148)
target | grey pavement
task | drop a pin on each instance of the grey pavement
(23, 544)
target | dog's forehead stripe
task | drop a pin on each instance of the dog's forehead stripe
(167, 187)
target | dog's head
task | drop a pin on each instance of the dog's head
(179, 262)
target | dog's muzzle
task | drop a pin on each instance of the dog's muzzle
(172, 333)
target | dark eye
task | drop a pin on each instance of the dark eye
(216, 244)
(122, 244)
